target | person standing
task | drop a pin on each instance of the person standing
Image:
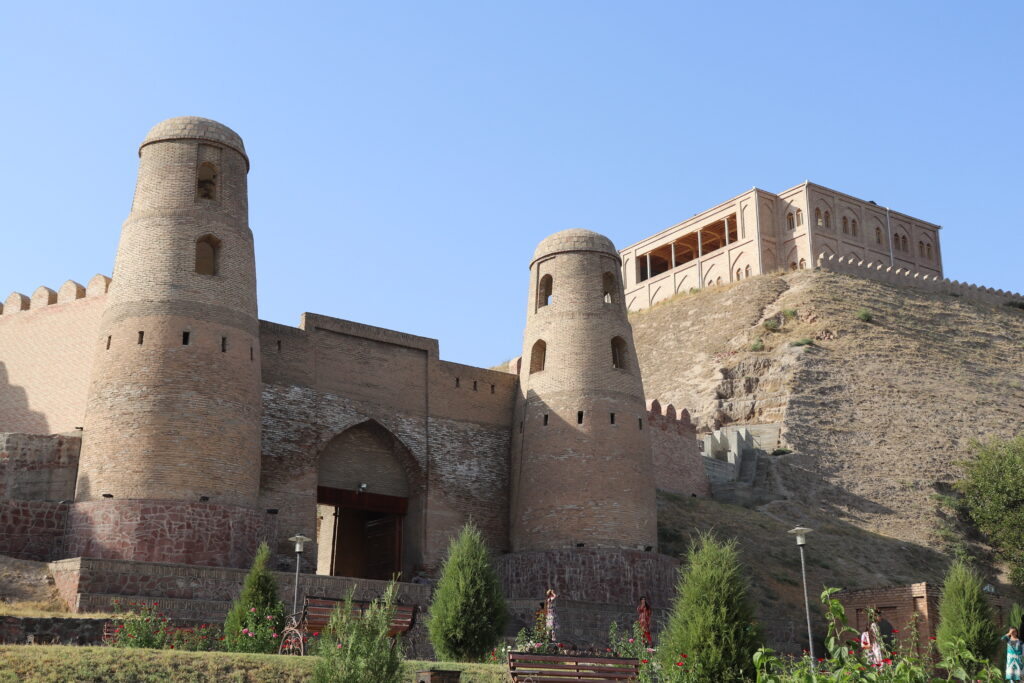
(550, 617)
(643, 617)
(1014, 652)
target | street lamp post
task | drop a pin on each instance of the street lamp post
(299, 540)
(801, 540)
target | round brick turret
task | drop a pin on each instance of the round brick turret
(170, 461)
(582, 473)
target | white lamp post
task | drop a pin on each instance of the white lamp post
(299, 540)
(801, 540)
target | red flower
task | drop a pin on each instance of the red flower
(644, 661)
(821, 659)
(679, 663)
(683, 656)
(895, 630)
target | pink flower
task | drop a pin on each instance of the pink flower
(339, 646)
(245, 630)
(631, 640)
(273, 635)
(252, 609)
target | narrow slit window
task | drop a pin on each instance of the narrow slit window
(108, 343)
(206, 181)
(279, 346)
(184, 338)
(640, 420)
(520, 426)
(611, 418)
(141, 335)
(579, 417)
(474, 385)
(456, 382)
(492, 388)
(545, 419)
(223, 344)
(252, 356)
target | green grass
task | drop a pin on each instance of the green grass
(59, 663)
(789, 313)
(864, 315)
(771, 324)
(758, 345)
(806, 341)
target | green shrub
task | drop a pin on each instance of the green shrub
(771, 324)
(1015, 304)
(256, 618)
(965, 615)
(467, 614)
(806, 341)
(1016, 615)
(140, 625)
(780, 451)
(710, 633)
(789, 313)
(758, 345)
(357, 649)
(864, 315)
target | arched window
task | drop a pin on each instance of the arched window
(928, 251)
(609, 288)
(718, 280)
(792, 265)
(803, 264)
(790, 223)
(739, 274)
(853, 227)
(920, 248)
(828, 220)
(538, 356)
(799, 217)
(903, 242)
(878, 235)
(206, 181)
(207, 255)
(746, 271)
(817, 218)
(544, 291)
(619, 353)
(846, 225)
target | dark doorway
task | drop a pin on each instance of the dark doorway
(367, 538)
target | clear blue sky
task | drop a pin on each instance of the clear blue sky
(407, 157)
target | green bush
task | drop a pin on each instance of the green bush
(711, 633)
(758, 345)
(1015, 304)
(140, 625)
(467, 614)
(864, 315)
(789, 313)
(256, 619)
(965, 616)
(771, 324)
(805, 341)
(357, 649)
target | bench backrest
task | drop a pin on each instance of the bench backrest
(317, 613)
(524, 666)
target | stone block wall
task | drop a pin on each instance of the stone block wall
(38, 467)
(58, 630)
(678, 464)
(32, 529)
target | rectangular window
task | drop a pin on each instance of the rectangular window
(108, 343)
(141, 335)
(279, 346)
(579, 417)
(223, 344)
(251, 355)
(641, 420)
(545, 419)
(520, 427)
(474, 385)
(492, 388)
(184, 338)
(611, 417)
(456, 382)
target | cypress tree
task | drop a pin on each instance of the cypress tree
(247, 627)
(964, 614)
(711, 634)
(467, 614)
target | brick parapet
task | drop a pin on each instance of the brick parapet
(678, 464)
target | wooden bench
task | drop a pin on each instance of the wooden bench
(531, 668)
(316, 614)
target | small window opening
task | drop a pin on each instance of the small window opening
(108, 343)
(544, 291)
(520, 426)
(474, 385)
(141, 335)
(828, 220)
(818, 219)
(207, 255)
(206, 181)
(252, 356)
(492, 388)
(799, 217)
(619, 353)
(846, 225)
(545, 419)
(640, 421)
(928, 251)
(878, 235)
(279, 346)
(803, 264)
(579, 417)
(184, 338)
(746, 271)
(456, 382)
(790, 222)
(223, 344)
(611, 417)
(608, 286)
(538, 356)
(739, 274)
(853, 227)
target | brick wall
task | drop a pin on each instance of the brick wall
(37, 467)
(31, 530)
(678, 464)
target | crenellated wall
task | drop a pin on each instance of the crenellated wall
(678, 464)
(47, 346)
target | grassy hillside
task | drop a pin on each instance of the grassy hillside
(878, 413)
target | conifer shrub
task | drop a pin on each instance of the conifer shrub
(467, 615)
(357, 648)
(256, 619)
(711, 634)
(965, 617)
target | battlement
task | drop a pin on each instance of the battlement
(667, 418)
(44, 296)
(908, 278)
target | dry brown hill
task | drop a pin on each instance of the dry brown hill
(877, 414)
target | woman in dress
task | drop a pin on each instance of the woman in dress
(550, 618)
(1013, 655)
(643, 617)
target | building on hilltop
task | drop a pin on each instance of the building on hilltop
(759, 232)
(153, 431)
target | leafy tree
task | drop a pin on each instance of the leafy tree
(256, 619)
(711, 632)
(995, 501)
(357, 649)
(467, 615)
(965, 617)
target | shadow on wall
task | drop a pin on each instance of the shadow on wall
(15, 414)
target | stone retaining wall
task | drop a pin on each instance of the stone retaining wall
(31, 530)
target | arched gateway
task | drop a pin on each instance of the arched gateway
(369, 505)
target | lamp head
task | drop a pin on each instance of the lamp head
(299, 540)
(801, 534)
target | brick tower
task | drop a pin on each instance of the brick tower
(582, 473)
(170, 461)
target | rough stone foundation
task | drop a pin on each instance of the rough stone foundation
(31, 530)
